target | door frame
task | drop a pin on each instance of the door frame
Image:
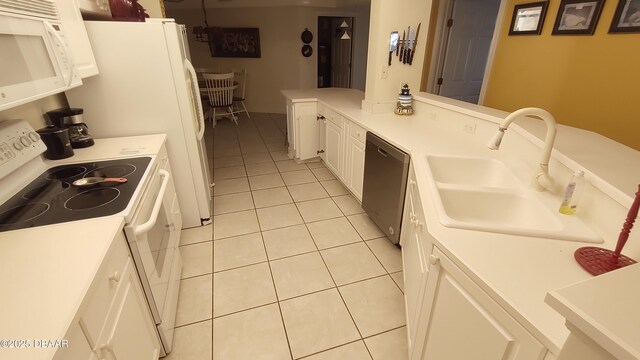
(492, 50)
(436, 63)
(352, 30)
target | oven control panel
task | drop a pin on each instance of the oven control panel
(19, 144)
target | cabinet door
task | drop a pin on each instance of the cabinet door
(322, 138)
(414, 262)
(333, 147)
(307, 119)
(291, 148)
(344, 174)
(130, 332)
(355, 167)
(463, 322)
(76, 37)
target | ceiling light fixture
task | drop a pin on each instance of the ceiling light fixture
(345, 36)
(344, 24)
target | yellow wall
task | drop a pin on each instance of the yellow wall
(589, 82)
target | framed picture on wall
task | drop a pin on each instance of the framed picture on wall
(577, 17)
(235, 42)
(627, 17)
(527, 19)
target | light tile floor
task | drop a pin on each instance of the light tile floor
(291, 268)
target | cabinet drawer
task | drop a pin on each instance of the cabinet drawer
(331, 115)
(358, 133)
(103, 290)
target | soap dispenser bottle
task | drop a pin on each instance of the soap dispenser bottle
(569, 200)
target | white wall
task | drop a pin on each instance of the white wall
(155, 8)
(281, 65)
(387, 16)
(33, 111)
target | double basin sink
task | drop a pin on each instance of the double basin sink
(483, 194)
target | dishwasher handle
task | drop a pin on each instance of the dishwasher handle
(382, 152)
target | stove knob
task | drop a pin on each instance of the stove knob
(18, 146)
(25, 141)
(34, 136)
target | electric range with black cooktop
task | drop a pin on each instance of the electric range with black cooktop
(53, 198)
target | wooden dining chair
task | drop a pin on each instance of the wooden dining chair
(220, 95)
(240, 76)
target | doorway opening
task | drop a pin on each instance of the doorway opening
(334, 51)
(463, 31)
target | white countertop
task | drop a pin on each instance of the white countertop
(594, 307)
(517, 271)
(46, 271)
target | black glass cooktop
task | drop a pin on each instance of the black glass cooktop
(52, 198)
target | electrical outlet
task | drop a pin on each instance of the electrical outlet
(469, 128)
(385, 72)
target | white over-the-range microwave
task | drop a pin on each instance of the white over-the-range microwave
(36, 60)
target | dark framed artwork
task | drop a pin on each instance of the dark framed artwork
(235, 42)
(577, 17)
(527, 19)
(627, 17)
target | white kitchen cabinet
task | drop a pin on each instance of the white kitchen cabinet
(127, 333)
(313, 129)
(458, 320)
(344, 173)
(302, 130)
(333, 147)
(76, 38)
(355, 166)
(355, 152)
(113, 320)
(416, 245)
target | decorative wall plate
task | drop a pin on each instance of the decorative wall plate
(306, 36)
(307, 50)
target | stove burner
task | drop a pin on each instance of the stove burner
(120, 170)
(66, 173)
(92, 198)
(22, 213)
(46, 190)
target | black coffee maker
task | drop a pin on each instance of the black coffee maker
(72, 119)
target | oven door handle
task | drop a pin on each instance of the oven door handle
(143, 228)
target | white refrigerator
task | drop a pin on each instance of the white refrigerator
(147, 85)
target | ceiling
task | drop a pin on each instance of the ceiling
(189, 4)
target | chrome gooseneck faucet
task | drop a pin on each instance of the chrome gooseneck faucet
(541, 181)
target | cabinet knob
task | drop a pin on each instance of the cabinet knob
(434, 259)
(115, 277)
(412, 183)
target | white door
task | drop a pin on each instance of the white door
(466, 52)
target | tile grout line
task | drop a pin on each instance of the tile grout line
(260, 131)
(273, 282)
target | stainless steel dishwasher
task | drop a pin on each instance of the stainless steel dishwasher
(385, 181)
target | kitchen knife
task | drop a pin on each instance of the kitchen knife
(405, 56)
(402, 47)
(415, 43)
(393, 44)
(410, 50)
